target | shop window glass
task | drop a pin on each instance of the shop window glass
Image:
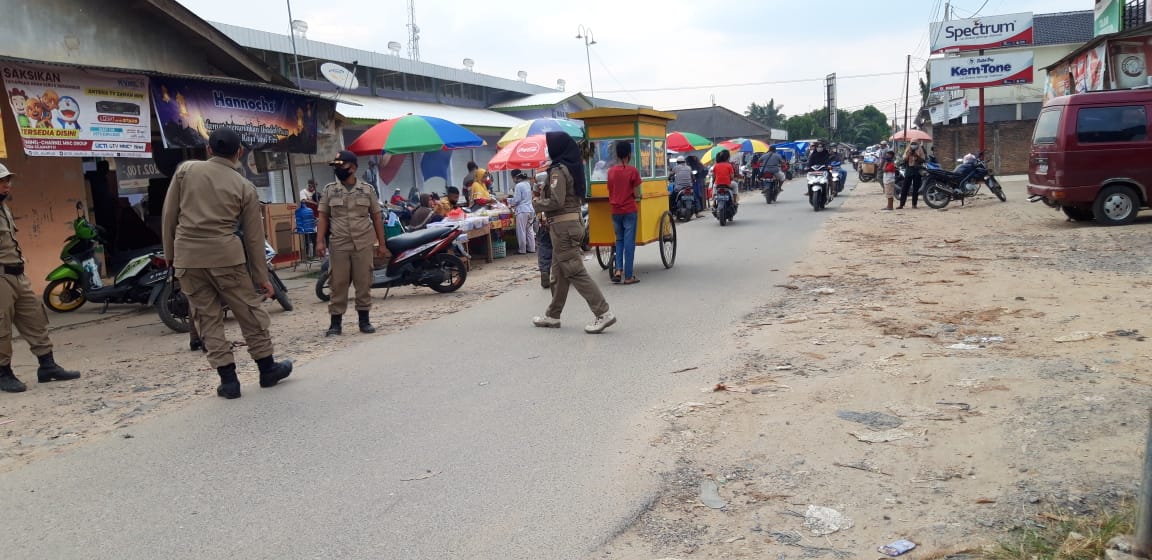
(1112, 124)
(391, 81)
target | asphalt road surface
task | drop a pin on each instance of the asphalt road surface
(473, 436)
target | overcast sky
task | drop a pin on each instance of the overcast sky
(670, 54)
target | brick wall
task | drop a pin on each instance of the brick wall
(1007, 144)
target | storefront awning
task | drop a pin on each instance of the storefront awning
(382, 108)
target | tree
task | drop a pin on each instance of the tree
(862, 127)
(768, 115)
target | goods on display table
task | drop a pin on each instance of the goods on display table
(486, 224)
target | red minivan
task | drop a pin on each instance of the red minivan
(1091, 155)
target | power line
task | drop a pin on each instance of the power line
(748, 84)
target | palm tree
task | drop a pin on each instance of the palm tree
(768, 115)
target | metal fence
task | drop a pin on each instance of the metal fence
(1134, 13)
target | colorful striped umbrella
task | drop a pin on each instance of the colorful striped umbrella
(575, 129)
(711, 154)
(745, 145)
(687, 142)
(413, 133)
(526, 153)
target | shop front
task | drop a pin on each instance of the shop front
(108, 141)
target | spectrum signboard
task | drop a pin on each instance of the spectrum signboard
(991, 32)
(990, 70)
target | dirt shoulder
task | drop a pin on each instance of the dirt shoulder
(134, 367)
(909, 377)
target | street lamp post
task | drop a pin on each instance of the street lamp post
(585, 33)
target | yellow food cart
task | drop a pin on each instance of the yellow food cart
(647, 130)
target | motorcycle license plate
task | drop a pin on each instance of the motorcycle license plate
(723, 197)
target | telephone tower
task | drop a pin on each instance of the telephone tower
(413, 32)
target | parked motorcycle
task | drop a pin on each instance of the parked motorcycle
(77, 279)
(724, 207)
(684, 204)
(818, 187)
(175, 312)
(942, 187)
(432, 257)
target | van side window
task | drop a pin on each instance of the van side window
(1047, 126)
(1112, 124)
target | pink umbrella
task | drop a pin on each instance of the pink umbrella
(913, 134)
(526, 153)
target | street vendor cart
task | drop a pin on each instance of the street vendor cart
(646, 129)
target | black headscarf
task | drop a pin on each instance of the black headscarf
(564, 151)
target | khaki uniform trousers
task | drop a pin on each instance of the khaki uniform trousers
(350, 267)
(208, 290)
(568, 269)
(20, 307)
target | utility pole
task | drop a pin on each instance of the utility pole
(947, 10)
(907, 74)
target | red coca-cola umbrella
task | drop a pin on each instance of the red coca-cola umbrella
(526, 153)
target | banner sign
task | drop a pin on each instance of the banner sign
(79, 113)
(967, 72)
(189, 110)
(991, 32)
(1106, 16)
(951, 109)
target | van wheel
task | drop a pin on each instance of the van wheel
(1078, 214)
(1116, 206)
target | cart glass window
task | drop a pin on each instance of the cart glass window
(644, 160)
(605, 157)
(661, 155)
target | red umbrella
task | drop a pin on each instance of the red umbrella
(525, 153)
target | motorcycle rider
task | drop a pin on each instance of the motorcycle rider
(723, 173)
(681, 176)
(771, 164)
(699, 173)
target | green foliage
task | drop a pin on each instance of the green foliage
(768, 115)
(862, 127)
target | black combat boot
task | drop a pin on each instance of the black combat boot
(335, 329)
(544, 281)
(271, 371)
(229, 386)
(50, 371)
(8, 381)
(365, 325)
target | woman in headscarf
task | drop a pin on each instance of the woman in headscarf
(699, 174)
(479, 195)
(560, 199)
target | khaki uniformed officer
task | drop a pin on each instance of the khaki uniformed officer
(206, 204)
(19, 306)
(560, 203)
(350, 212)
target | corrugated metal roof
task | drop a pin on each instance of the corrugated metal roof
(718, 123)
(381, 108)
(1062, 28)
(276, 42)
(541, 100)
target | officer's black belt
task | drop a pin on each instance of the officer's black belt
(13, 269)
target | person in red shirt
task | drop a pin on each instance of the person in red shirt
(623, 194)
(723, 172)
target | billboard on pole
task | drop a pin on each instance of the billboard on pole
(1106, 16)
(990, 70)
(830, 85)
(991, 32)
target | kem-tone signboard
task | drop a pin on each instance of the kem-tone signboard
(991, 32)
(990, 70)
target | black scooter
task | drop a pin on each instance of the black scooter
(432, 257)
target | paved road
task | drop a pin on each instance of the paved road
(534, 442)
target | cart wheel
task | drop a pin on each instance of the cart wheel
(605, 257)
(667, 240)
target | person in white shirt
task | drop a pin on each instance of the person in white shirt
(521, 204)
(309, 196)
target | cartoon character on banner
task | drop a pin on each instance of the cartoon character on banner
(37, 113)
(69, 111)
(18, 99)
(51, 100)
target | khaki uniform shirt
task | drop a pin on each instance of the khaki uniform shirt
(351, 213)
(558, 195)
(9, 248)
(206, 203)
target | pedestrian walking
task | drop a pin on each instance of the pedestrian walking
(560, 201)
(623, 195)
(699, 175)
(207, 203)
(543, 238)
(349, 223)
(913, 162)
(521, 204)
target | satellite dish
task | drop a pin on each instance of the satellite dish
(339, 75)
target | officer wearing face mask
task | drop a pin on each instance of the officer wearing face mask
(350, 212)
